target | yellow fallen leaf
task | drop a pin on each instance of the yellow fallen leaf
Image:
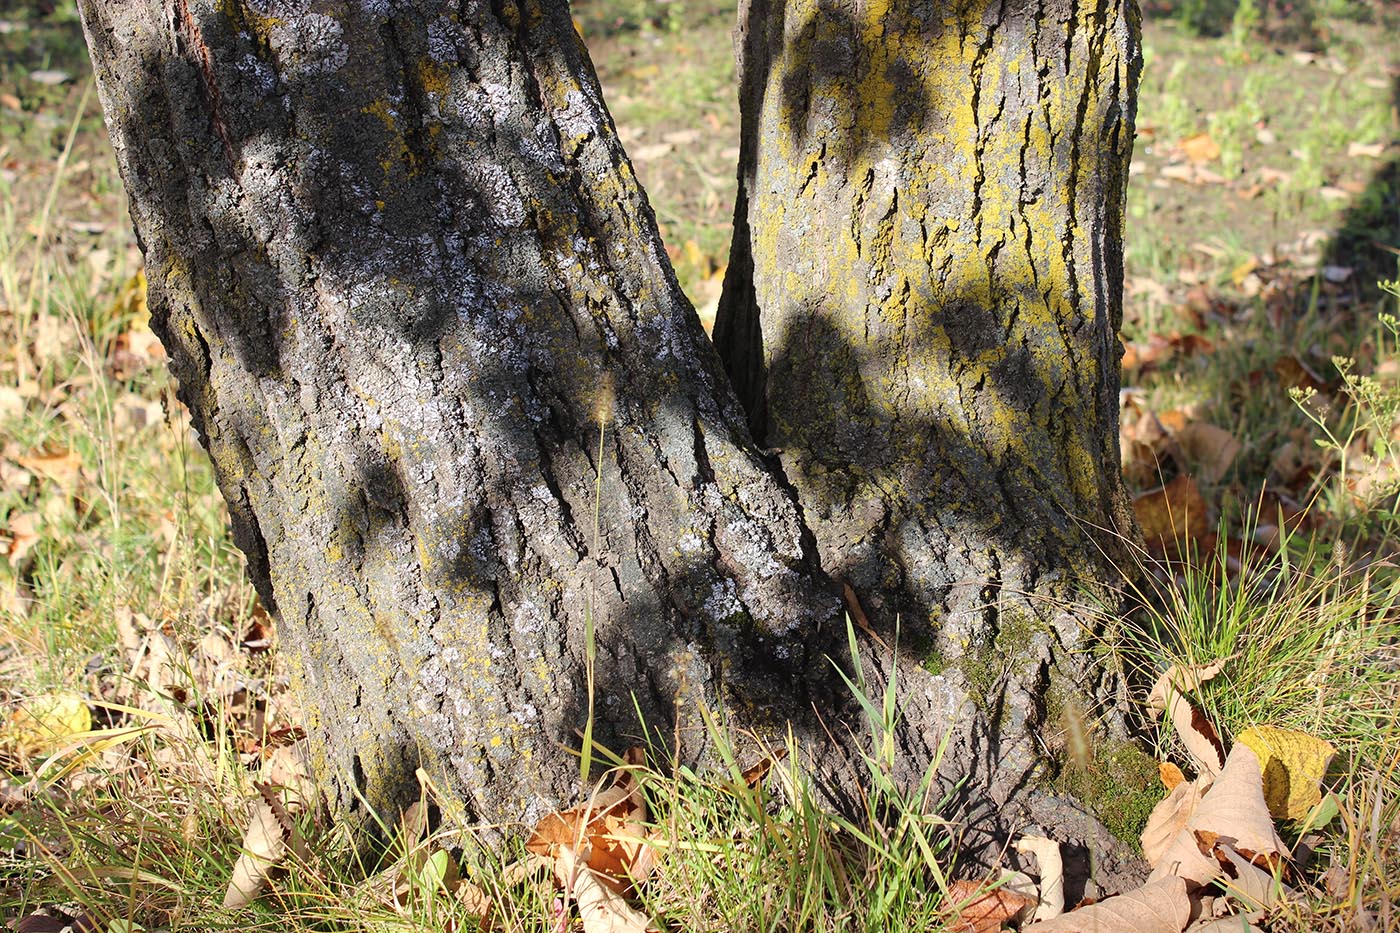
(1293, 764)
(38, 726)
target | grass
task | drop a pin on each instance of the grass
(119, 585)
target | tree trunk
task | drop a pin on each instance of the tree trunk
(922, 321)
(462, 413)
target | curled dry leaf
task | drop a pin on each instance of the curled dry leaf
(1052, 874)
(1247, 882)
(1196, 731)
(755, 773)
(1158, 907)
(1293, 764)
(977, 910)
(601, 909)
(610, 829)
(1238, 924)
(1234, 811)
(1170, 817)
(264, 845)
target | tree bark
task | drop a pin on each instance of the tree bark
(407, 278)
(923, 309)
(411, 291)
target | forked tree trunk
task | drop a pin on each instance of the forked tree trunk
(408, 283)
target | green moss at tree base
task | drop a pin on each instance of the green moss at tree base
(1118, 785)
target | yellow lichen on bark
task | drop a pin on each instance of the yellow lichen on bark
(934, 312)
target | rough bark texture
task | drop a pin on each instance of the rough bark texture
(932, 200)
(921, 317)
(924, 309)
(404, 273)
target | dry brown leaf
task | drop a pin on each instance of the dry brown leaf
(264, 845)
(1293, 373)
(611, 829)
(22, 530)
(1239, 924)
(858, 616)
(602, 909)
(1210, 448)
(1201, 148)
(1159, 907)
(1247, 882)
(1051, 866)
(1170, 774)
(475, 901)
(1197, 733)
(1233, 810)
(1182, 678)
(976, 910)
(62, 467)
(1172, 515)
(1170, 817)
(755, 773)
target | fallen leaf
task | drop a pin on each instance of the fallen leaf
(1201, 148)
(610, 829)
(51, 77)
(858, 616)
(1210, 448)
(1238, 924)
(650, 152)
(601, 909)
(475, 901)
(38, 726)
(22, 530)
(1182, 678)
(1234, 811)
(1293, 765)
(754, 774)
(1170, 817)
(264, 845)
(1359, 150)
(977, 910)
(61, 466)
(1247, 882)
(1051, 865)
(1294, 373)
(1170, 774)
(1195, 730)
(1172, 514)
(1159, 907)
